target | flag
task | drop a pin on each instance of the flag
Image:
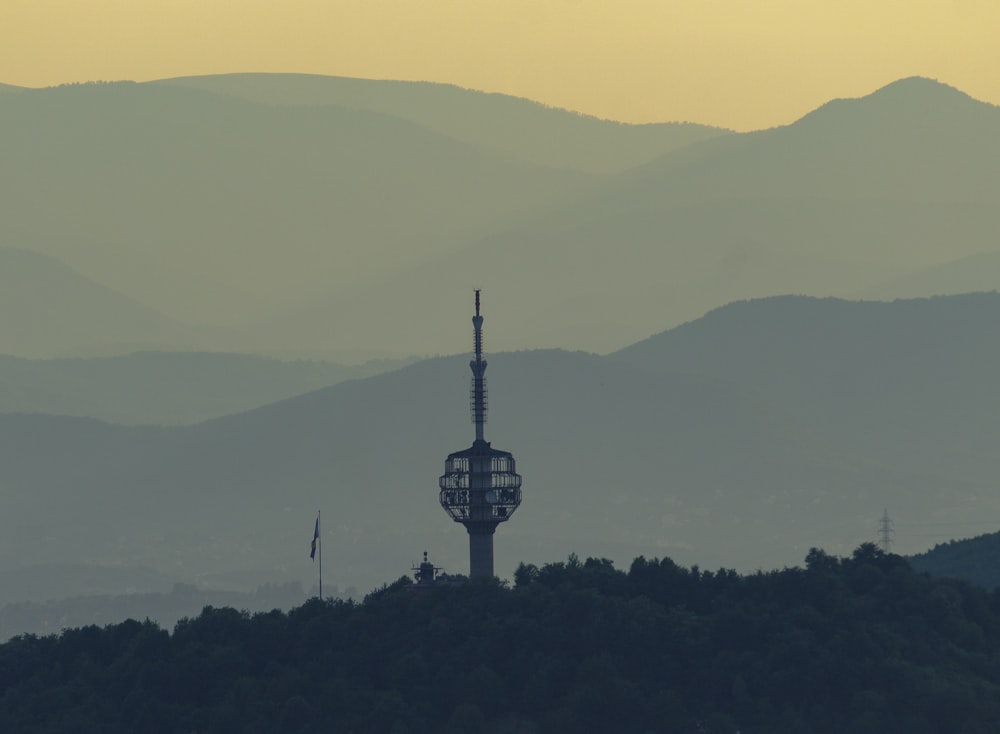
(312, 551)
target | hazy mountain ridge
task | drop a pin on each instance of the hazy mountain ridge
(973, 273)
(214, 209)
(853, 362)
(37, 583)
(527, 129)
(767, 334)
(622, 455)
(326, 231)
(600, 278)
(166, 388)
(830, 205)
(932, 104)
(913, 138)
(47, 308)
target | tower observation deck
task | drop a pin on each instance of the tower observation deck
(480, 487)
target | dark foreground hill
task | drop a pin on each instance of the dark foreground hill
(862, 644)
(975, 560)
(166, 607)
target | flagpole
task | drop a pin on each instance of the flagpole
(318, 525)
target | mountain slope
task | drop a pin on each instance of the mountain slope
(840, 410)
(972, 559)
(846, 198)
(215, 210)
(912, 139)
(236, 493)
(915, 376)
(163, 388)
(974, 273)
(47, 308)
(529, 130)
(321, 229)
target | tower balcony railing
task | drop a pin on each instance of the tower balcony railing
(463, 480)
(492, 505)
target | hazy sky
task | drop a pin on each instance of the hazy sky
(738, 63)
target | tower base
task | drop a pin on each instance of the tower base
(481, 550)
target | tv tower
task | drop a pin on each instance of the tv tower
(480, 487)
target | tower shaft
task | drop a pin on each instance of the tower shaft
(480, 549)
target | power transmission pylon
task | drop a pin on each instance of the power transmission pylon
(885, 532)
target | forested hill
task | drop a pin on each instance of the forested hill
(860, 644)
(973, 559)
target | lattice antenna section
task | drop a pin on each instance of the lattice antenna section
(477, 393)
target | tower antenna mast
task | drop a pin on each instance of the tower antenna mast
(478, 366)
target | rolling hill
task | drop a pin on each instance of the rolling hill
(970, 274)
(855, 194)
(48, 309)
(163, 388)
(528, 130)
(913, 377)
(338, 231)
(970, 559)
(215, 211)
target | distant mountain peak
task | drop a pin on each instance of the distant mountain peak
(900, 101)
(916, 82)
(920, 89)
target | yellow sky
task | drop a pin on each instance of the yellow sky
(738, 63)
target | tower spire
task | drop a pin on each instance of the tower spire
(478, 366)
